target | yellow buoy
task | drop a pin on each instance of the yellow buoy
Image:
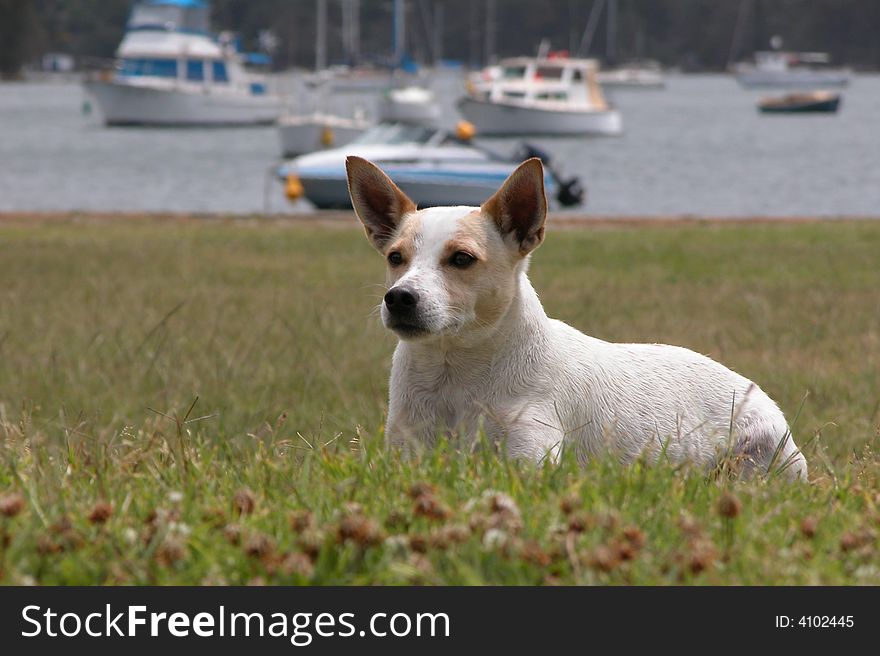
(293, 188)
(327, 136)
(465, 130)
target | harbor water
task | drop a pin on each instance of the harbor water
(698, 147)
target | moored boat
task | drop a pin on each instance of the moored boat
(171, 70)
(796, 103)
(804, 70)
(306, 133)
(544, 95)
(432, 166)
(411, 104)
(645, 74)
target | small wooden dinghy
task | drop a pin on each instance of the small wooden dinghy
(813, 101)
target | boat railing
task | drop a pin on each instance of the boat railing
(89, 64)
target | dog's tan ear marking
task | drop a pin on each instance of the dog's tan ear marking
(519, 207)
(377, 201)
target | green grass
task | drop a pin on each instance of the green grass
(110, 331)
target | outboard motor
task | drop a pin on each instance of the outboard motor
(527, 151)
(571, 192)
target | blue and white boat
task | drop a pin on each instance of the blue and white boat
(432, 166)
(171, 70)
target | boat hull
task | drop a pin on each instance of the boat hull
(491, 118)
(631, 80)
(823, 106)
(307, 136)
(406, 112)
(794, 79)
(128, 104)
(428, 185)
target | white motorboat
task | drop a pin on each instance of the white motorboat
(306, 133)
(777, 68)
(633, 74)
(409, 105)
(172, 71)
(345, 79)
(646, 74)
(397, 72)
(320, 130)
(432, 166)
(545, 95)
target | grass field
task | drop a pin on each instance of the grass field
(202, 402)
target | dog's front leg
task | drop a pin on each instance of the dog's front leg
(406, 432)
(532, 434)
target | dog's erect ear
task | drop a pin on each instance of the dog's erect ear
(519, 207)
(378, 202)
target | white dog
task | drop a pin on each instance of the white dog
(477, 352)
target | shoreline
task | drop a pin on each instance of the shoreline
(342, 219)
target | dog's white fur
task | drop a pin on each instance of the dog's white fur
(484, 355)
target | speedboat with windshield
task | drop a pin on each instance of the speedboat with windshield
(171, 70)
(433, 166)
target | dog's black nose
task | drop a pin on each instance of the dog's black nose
(400, 300)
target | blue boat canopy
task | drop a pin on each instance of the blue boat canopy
(190, 4)
(256, 59)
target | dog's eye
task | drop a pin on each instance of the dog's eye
(462, 259)
(395, 258)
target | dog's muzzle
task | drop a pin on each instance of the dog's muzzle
(402, 305)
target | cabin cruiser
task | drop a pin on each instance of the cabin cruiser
(171, 71)
(777, 68)
(434, 167)
(543, 95)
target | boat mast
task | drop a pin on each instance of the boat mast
(438, 33)
(351, 31)
(428, 14)
(736, 43)
(399, 34)
(590, 29)
(491, 7)
(474, 35)
(611, 33)
(321, 37)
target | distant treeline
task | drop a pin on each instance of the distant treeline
(692, 34)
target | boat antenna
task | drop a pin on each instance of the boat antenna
(543, 48)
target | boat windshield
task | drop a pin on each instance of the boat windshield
(549, 72)
(190, 16)
(395, 133)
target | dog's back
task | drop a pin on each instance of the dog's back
(671, 402)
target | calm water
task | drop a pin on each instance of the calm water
(698, 147)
